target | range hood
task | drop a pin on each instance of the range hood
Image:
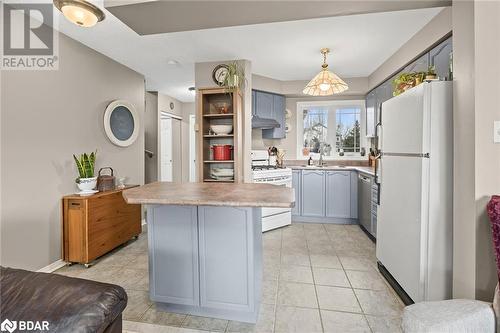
(264, 123)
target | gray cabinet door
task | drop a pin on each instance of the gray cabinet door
(254, 102)
(354, 195)
(419, 65)
(296, 180)
(227, 257)
(370, 114)
(173, 254)
(440, 57)
(278, 114)
(313, 193)
(338, 194)
(264, 103)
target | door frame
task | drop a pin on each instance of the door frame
(163, 115)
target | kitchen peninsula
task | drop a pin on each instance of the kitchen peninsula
(205, 245)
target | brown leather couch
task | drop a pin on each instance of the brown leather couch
(67, 304)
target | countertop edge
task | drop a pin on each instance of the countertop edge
(334, 168)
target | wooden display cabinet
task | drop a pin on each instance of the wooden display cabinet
(210, 113)
(96, 224)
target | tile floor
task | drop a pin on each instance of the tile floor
(317, 278)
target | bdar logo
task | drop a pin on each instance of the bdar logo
(8, 325)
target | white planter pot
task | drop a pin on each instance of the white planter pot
(87, 184)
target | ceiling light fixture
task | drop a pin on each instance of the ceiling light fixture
(80, 12)
(325, 83)
(172, 62)
(192, 90)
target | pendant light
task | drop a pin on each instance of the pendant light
(80, 12)
(325, 83)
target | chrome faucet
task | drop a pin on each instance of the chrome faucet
(320, 162)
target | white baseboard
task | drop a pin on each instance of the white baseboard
(53, 267)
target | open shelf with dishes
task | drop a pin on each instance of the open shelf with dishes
(220, 139)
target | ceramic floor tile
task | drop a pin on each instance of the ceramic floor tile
(265, 322)
(137, 305)
(155, 316)
(133, 279)
(271, 271)
(336, 298)
(138, 327)
(325, 260)
(378, 303)
(334, 322)
(269, 291)
(140, 261)
(295, 259)
(205, 323)
(297, 294)
(385, 324)
(294, 273)
(330, 277)
(366, 280)
(297, 320)
(357, 263)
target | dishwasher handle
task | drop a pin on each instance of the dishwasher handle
(364, 178)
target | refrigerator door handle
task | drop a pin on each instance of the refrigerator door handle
(421, 155)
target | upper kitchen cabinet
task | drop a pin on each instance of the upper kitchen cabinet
(264, 104)
(371, 101)
(440, 58)
(270, 109)
(419, 65)
(278, 114)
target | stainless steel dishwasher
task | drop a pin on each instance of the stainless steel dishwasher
(365, 201)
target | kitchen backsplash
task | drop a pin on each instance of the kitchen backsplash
(330, 162)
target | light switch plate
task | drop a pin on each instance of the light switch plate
(496, 131)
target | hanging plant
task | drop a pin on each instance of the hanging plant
(235, 77)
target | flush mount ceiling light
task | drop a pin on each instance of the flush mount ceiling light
(80, 12)
(325, 83)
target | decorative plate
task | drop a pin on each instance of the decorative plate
(121, 123)
(219, 74)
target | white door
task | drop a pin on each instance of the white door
(401, 221)
(405, 123)
(166, 165)
(192, 148)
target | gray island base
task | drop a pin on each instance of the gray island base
(205, 255)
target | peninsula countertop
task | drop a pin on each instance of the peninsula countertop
(211, 194)
(363, 169)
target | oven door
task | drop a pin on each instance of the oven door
(280, 181)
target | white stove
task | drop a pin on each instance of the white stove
(262, 172)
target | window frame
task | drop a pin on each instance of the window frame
(332, 106)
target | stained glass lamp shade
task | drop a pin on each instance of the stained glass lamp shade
(325, 83)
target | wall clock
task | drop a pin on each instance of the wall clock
(219, 74)
(121, 123)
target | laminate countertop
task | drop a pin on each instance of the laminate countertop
(366, 170)
(211, 194)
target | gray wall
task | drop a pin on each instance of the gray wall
(46, 116)
(476, 50)
(437, 28)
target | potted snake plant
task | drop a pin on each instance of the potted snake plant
(85, 164)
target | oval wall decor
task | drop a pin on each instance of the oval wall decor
(121, 123)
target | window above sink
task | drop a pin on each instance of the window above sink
(332, 127)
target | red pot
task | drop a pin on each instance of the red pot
(222, 152)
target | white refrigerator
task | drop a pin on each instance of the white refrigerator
(414, 234)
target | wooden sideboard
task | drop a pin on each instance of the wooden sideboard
(96, 224)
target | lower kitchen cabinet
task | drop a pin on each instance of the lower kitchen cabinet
(313, 193)
(296, 184)
(325, 196)
(338, 198)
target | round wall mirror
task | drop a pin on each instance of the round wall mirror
(121, 123)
